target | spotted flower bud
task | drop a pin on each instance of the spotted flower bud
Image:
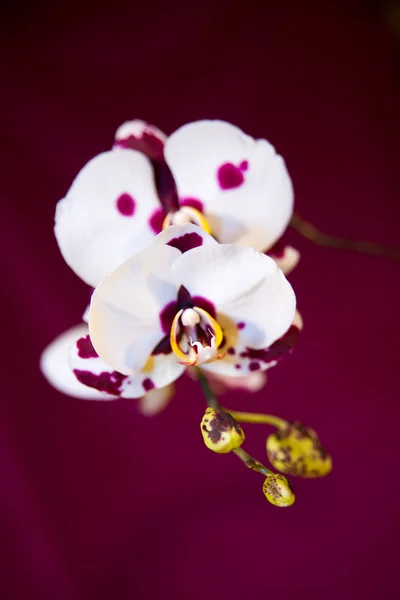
(278, 490)
(296, 450)
(221, 433)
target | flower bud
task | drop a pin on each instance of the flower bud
(221, 433)
(278, 490)
(296, 450)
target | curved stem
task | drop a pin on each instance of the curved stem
(247, 417)
(251, 462)
(309, 231)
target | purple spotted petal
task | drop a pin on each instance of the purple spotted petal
(92, 371)
(286, 257)
(241, 360)
(267, 357)
(147, 139)
(106, 216)
(244, 285)
(242, 184)
(141, 136)
(55, 367)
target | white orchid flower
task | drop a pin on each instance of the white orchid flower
(184, 301)
(208, 172)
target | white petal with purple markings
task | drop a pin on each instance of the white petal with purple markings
(95, 373)
(286, 257)
(133, 311)
(242, 184)
(245, 285)
(105, 216)
(141, 136)
(241, 360)
(54, 365)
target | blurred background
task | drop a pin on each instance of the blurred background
(99, 502)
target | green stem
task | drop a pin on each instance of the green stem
(252, 463)
(310, 232)
(247, 417)
(209, 396)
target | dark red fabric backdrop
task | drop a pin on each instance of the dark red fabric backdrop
(98, 502)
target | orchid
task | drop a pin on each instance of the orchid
(181, 239)
(209, 173)
(186, 301)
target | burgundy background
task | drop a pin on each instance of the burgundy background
(99, 502)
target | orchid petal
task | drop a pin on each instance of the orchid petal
(241, 360)
(244, 285)
(141, 136)
(106, 215)
(126, 308)
(220, 384)
(55, 366)
(286, 257)
(242, 184)
(89, 369)
(156, 400)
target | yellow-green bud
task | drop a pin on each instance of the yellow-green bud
(221, 433)
(278, 490)
(296, 450)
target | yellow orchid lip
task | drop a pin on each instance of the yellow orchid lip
(187, 214)
(174, 338)
(195, 337)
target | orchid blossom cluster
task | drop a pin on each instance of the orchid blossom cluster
(180, 239)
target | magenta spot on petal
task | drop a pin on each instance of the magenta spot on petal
(156, 220)
(167, 316)
(205, 305)
(230, 351)
(229, 176)
(104, 382)
(241, 325)
(148, 385)
(244, 165)
(277, 350)
(193, 203)
(238, 366)
(254, 366)
(126, 205)
(85, 348)
(186, 242)
(163, 347)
